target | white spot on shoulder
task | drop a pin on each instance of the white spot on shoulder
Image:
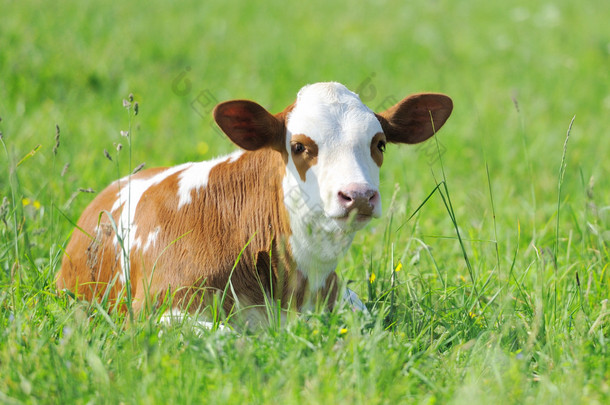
(130, 194)
(193, 176)
(196, 176)
(152, 238)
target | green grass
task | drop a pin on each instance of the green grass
(512, 311)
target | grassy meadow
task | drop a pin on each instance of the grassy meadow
(487, 276)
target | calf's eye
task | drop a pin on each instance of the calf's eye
(298, 148)
(381, 146)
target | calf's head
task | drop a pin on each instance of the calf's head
(333, 145)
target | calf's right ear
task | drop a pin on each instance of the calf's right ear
(415, 118)
(249, 125)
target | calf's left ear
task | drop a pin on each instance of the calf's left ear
(249, 125)
(416, 118)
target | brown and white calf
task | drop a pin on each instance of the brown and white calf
(262, 224)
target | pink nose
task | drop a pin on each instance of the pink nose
(359, 197)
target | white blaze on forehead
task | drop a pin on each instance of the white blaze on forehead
(330, 113)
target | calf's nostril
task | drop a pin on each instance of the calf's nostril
(344, 197)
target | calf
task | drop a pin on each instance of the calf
(263, 224)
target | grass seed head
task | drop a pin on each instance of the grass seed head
(107, 155)
(4, 209)
(138, 168)
(56, 147)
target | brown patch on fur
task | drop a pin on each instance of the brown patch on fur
(306, 159)
(377, 154)
(241, 208)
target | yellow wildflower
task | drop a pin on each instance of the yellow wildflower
(28, 201)
(399, 267)
(372, 278)
(343, 331)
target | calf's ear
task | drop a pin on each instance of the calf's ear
(415, 118)
(249, 125)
